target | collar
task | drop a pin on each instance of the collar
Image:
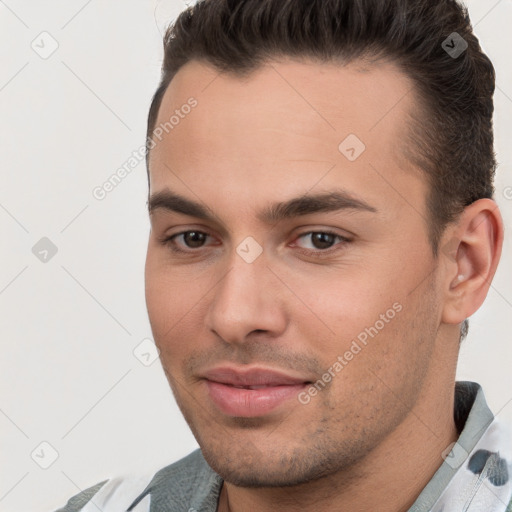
(475, 473)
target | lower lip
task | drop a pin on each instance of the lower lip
(250, 403)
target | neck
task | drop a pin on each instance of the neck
(389, 479)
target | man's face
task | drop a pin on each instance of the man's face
(249, 340)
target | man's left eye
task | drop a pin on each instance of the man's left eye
(322, 240)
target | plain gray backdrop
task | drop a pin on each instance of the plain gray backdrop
(79, 400)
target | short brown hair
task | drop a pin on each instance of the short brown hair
(453, 140)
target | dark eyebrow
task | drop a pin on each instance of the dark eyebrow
(295, 207)
(315, 203)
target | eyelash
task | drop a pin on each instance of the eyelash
(320, 253)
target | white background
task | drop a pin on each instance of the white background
(68, 327)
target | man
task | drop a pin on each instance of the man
(322, 226)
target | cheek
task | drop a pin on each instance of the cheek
(345, 307)
(175, 303)
(165, 299)
(366, 327)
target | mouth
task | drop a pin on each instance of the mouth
(251, 393)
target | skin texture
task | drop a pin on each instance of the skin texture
(373, 438)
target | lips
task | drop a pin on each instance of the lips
(253, 377)
(251, 393)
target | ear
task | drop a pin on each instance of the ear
(473, 250)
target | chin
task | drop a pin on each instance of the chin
(243, 467)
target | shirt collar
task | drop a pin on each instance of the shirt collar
(472, 418)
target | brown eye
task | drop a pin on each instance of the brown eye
(321, 243)
(185, 242)
(322, 240)
(193, 239)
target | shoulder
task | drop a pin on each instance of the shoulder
(186, 484)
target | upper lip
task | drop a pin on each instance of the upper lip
(251, 377)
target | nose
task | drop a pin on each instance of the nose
(246, 300)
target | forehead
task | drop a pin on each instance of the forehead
(287, 126)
